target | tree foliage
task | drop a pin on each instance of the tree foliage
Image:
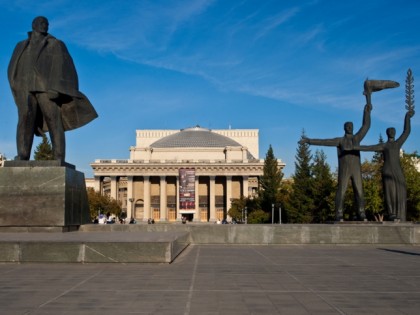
(270, 182)
(372, 187)
(258, 216)
(44, 151)
(324, 188)
(253, 210)
(102, 204)
(378, 155)
(236, 208)
(412, 178)
(301, 201)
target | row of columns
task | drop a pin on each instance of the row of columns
(163, 197)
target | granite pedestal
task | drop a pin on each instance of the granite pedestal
(42, 194)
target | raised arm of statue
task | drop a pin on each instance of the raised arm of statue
(366, 123)
(407, 128)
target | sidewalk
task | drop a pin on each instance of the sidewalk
(219, 279)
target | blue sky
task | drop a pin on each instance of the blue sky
(277, 66)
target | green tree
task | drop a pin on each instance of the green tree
(270, 182)
(44, 150)
(372, 188)
(258, 216)
(99, 203)
(253, 210)
(378, 156)
(285, 195)
(301, 200)
(412, 179)
(236, 209)
(323, 189)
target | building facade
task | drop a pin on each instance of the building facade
(193, 173)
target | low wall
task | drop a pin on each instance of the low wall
(95, 247)
(293, 234)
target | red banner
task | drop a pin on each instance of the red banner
(187, 188)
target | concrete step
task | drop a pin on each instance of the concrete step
(92, 247)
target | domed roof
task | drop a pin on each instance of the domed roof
(195, 137)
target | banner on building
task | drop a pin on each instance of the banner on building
(186, 188)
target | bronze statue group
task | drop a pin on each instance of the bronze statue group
(348, 151)
(44, 84)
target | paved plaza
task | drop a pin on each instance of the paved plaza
(220, 279)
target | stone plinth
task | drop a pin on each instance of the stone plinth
(42, 193)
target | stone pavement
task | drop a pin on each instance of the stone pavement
(220, 279)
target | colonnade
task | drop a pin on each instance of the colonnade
(207, 211)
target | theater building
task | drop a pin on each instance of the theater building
(193, 172)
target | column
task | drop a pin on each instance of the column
(146, 198)
(163, 199)
(228, 154)
(245, 186)
(98, 184)
(114, 187)
(244, 154)
(130, 196)
(212, 199)
(178, 214)
(197, 215)
(228, 193)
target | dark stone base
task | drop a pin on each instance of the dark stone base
(49, 163)
(39, 194)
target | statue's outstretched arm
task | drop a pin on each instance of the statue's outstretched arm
(407, 128)
(334, 142)
(374, 147)
(366, 123)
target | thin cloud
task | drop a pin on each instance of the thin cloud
(308, 36)
(142, 25)
(370, 62)
(272, 23)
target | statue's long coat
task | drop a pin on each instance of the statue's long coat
(55, 68)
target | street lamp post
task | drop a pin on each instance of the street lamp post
(246, 215)
(272, 213)
(280, 215)
(132, 208)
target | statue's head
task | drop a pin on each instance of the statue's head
(348, 127)
(390, 132)
(40, 25)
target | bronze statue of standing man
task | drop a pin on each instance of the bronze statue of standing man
(348, 152)
(349, 167)
(45, 87)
